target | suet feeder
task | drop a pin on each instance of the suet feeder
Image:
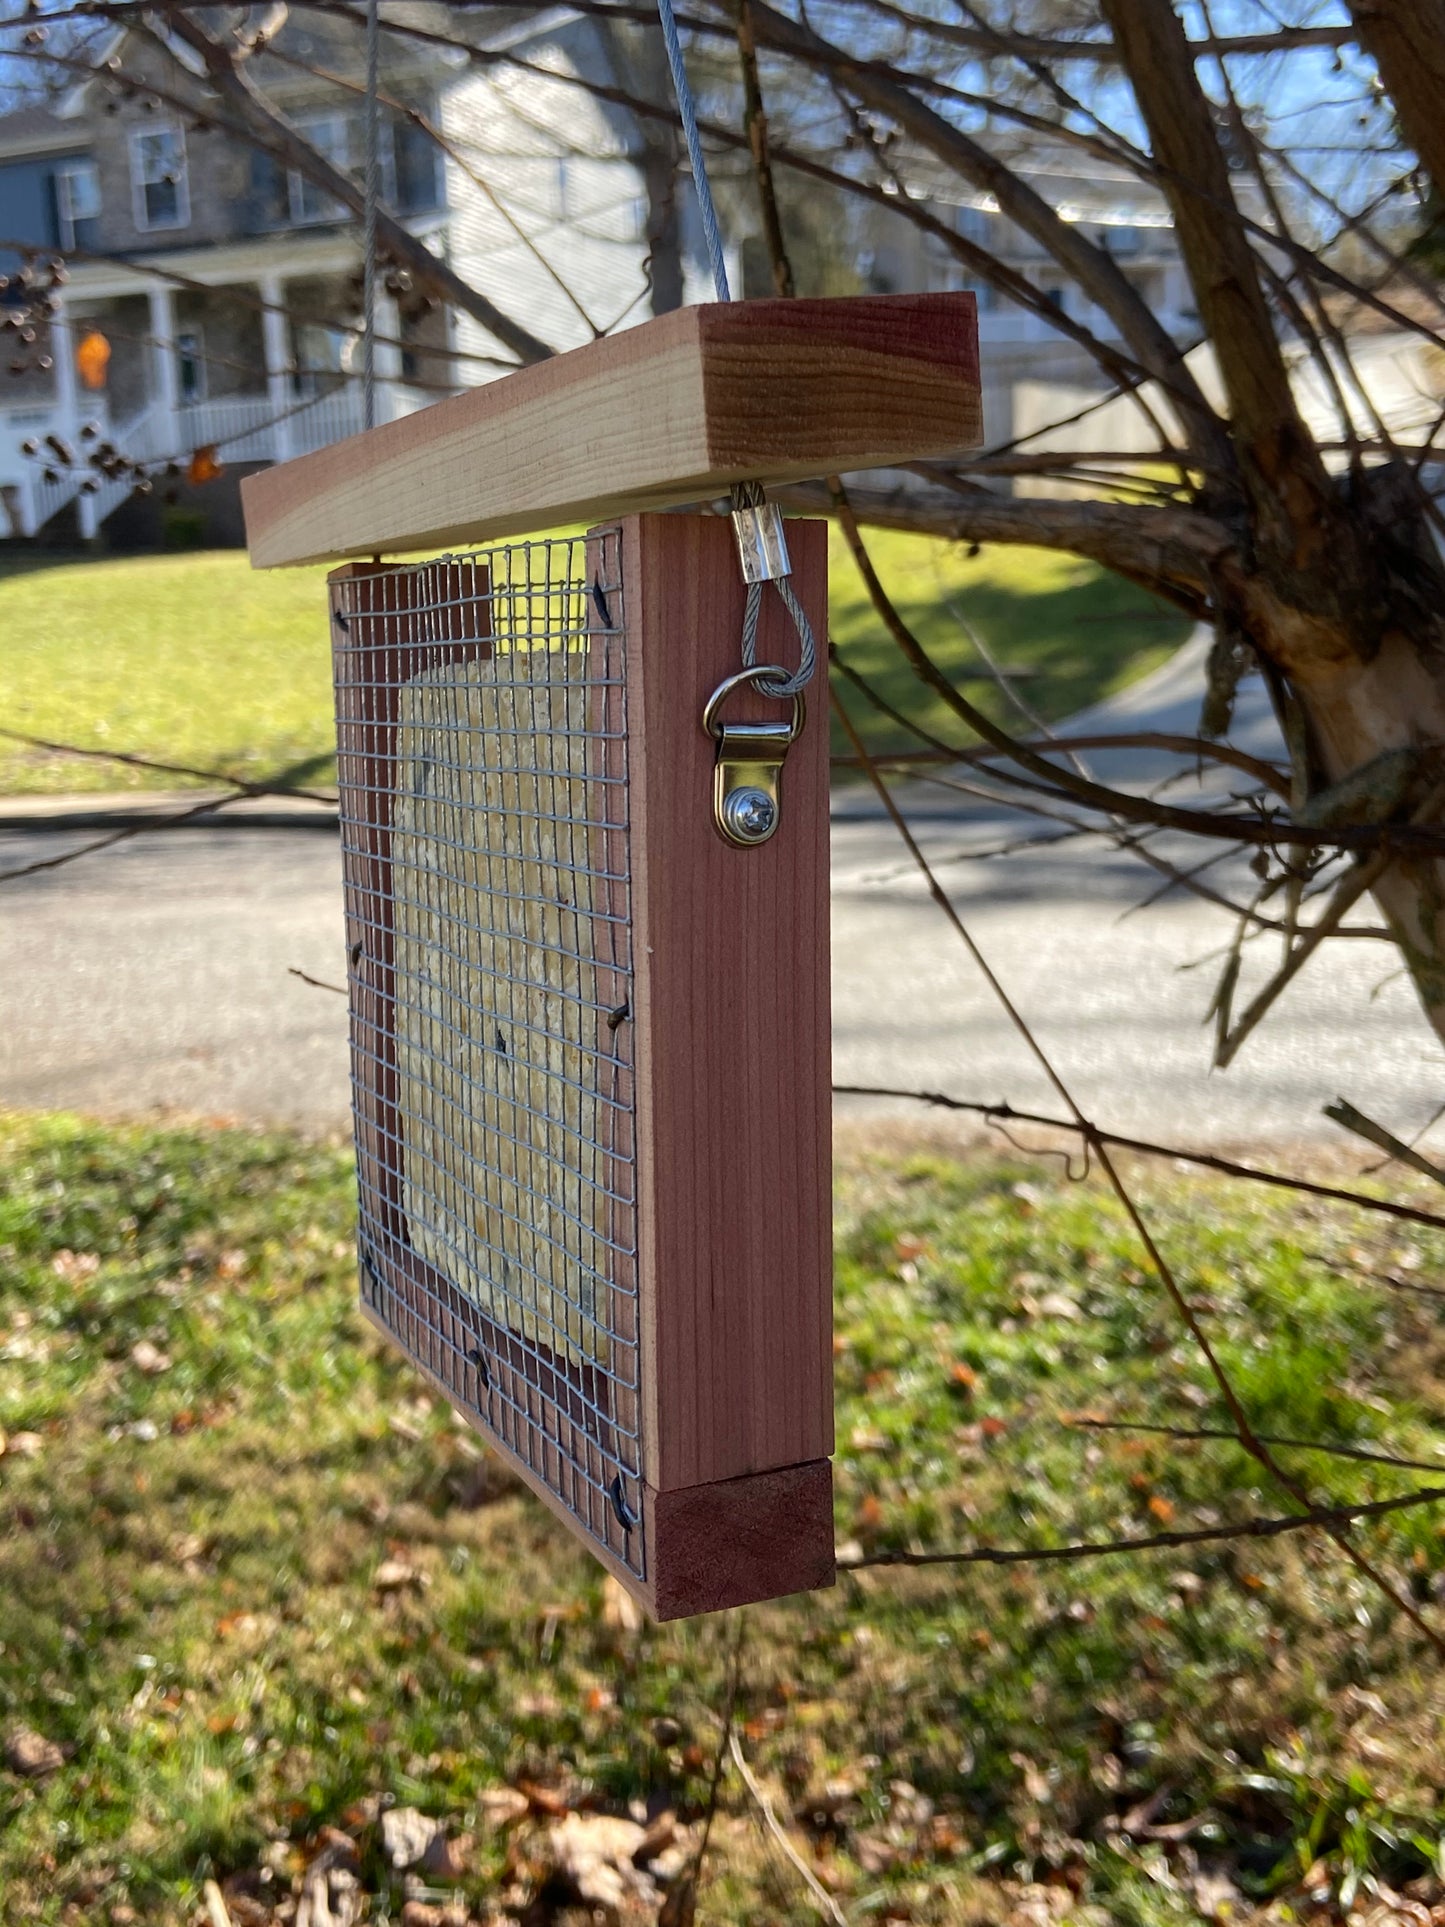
(585, 861)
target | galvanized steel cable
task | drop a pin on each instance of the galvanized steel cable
(370, 188)
(746, 494)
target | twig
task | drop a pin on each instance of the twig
(1346, 894)
(1268, 832)
(1207, 1160)
(240, 783)
(1332, 1518)
(1159, 1264)
(1187, 1432)
(822, 1899)
(207, 808)
(217, 1912)
(1344, 1113)
(315, 982)
(678, 1912)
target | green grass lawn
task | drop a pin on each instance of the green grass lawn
(255, 1584)
(199, 660)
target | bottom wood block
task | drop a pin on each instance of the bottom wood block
(738, 1541)
(732, 1542)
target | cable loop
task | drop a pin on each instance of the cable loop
(795, 684)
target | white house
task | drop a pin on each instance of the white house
(225, 289)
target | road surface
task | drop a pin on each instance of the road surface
(155, 977)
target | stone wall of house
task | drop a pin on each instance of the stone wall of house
(233, 191)
(216, 168)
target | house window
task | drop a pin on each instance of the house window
(191, 364)
(1122, 240)
(330, 135)
(322, 354)
(415, 167)
(77, 204)
(158, 178)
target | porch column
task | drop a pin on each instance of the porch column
(276, 337)
(67, 407)
(163, 358)
(62, 353)
(388, 355)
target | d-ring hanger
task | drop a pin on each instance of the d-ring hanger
(748, 769)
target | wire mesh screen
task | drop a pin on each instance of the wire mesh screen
(482, 729)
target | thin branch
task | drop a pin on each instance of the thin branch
(1345, 1114)
(316, 983)
(241, 784)
(207, 808)
(1331, 1518)
(1269, 832)
(1187, 1433)
(821, 1898)
(1206, 1160)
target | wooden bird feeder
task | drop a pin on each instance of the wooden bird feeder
(588, 967)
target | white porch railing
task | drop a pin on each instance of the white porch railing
(241, 428)
(246, 428)
(144, 438)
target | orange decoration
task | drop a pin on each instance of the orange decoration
(92, 358)
(203, 466)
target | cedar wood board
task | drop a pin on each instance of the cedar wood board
(733, 1043)
(733, 1105)
(672, 411)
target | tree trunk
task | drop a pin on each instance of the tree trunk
(1337, 586)
(1406, 41)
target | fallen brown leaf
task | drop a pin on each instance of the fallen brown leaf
(29, 1753)
(406, 1833)
(396, 1575)
(620, 1610)
(503, 1806)
(447, 1858)
(594, 1854)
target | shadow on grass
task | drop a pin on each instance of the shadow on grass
(1071, 634)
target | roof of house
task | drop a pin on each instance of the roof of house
(40, 130)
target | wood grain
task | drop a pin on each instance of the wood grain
(734, 1114)
(672, 411)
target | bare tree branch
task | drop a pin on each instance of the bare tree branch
(1406, 41)
(270, 131)
(1332, 1518)
(1206, 1160)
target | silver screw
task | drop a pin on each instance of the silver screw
(750, 815)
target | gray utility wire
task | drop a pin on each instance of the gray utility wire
(688, 110)
(747, 494)
(373, 168)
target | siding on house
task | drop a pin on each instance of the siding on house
(28, 204)
(558, 163)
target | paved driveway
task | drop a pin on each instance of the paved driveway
(156, 976)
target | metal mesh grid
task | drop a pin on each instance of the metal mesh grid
(482, 733)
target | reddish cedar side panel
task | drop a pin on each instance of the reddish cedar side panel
(734, 1042)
